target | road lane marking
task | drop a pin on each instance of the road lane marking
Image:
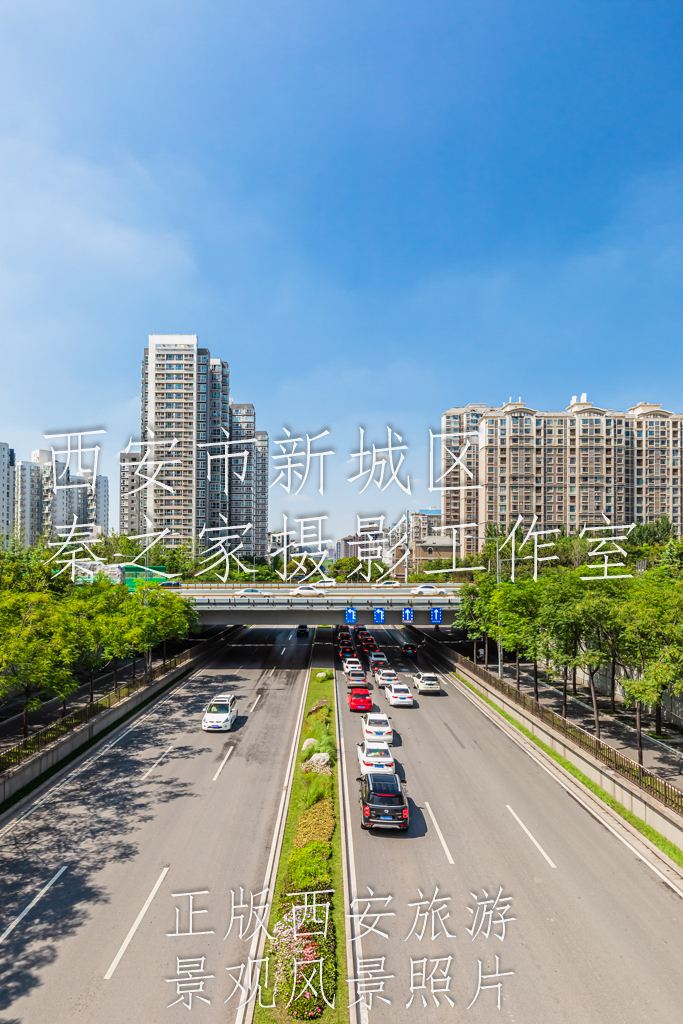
(223, 763)
(283, 650)
(175, 690)
(32, 904)
(554, 775)
(440, 834)
(156, 763)
(356, 948)
(136, 925)
(246, 1010)
(253, 708)
(534, 841)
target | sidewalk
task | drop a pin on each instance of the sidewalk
(616, 730)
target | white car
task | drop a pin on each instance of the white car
(307, 590)
(428, 590)
(385, 676)
(376, 659)
(350, 664)
(398, 695)
(249, 592)
(377, 727)
(386, 583)
(220, 714)
(376, 758)
(426, 682)
(326, 583)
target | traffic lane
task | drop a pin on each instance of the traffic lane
(599, 897)
(598, 894)
(116, 833)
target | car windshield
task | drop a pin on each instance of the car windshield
(385, 800)
(378, 721)
(401, 689)
(428, 679)
(376, 752)
(385, 785)
(218, 709)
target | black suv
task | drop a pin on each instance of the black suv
(302, 630)
(383, 802)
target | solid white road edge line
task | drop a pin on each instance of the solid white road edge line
(495, 719)
(136, 924)
(33, 902)
(156, 763)
(223, 763)
(253, 708)
(246, 1011)
(534, 841)
(440, 834)
(356, 950)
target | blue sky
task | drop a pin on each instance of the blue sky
(374, 210)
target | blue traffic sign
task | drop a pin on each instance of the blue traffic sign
(350, 616)
(407, 615)
(435, 616)
(379, 616)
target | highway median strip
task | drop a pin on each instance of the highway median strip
(307, 916)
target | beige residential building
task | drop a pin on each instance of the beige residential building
(569, 467)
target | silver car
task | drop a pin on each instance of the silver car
(385, 676)
(426, 682)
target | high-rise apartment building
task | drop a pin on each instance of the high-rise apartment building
(188, 424)
(100, 504)
(6, 493)
(28, 503)
(569, 467)
(131, 521)
(424, 523)
(40, 509)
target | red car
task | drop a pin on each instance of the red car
(360, 700)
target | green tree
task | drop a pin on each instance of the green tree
(38, 646)
(159, 615)
(653, 638)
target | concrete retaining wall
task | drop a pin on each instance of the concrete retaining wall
(31, 769)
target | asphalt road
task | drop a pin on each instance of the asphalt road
(154, 806)
(596, 937)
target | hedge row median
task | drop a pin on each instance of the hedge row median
(310, 863)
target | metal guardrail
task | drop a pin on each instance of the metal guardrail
(671, 796)
(13, 756)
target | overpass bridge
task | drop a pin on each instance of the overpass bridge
(220, 605)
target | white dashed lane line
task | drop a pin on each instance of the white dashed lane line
(534, 841)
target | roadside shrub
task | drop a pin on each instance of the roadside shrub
(317, 788)
(316, 824)
(307, 869)
(285, 948)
